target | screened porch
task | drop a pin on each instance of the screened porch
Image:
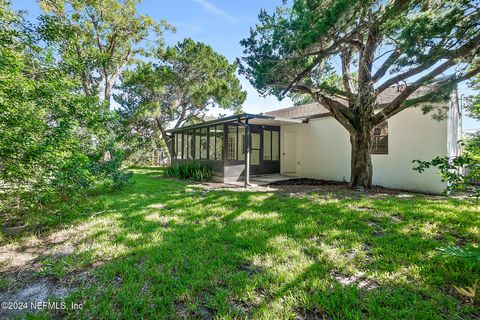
(231, 146)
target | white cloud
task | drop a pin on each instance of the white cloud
(210, 7)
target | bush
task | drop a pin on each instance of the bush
(190, 170)
(451, 172)
(109, 172)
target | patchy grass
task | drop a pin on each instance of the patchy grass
(170, 249)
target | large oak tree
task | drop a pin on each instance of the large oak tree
(345, 53)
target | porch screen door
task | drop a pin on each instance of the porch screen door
(255, 159)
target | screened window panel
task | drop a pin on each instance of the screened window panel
(255, 157)
(232, 143)
(211, 135)
(219, 143)
(267, 145)
(241, 143)
(175, 145)
(191, 145)
(180, 146)
(255, 140)
(275, 145)
(185, 145)
(197, 144)
(203, 143)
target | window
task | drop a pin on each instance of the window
(203, 143)
(185, 145)
(270, 145)
(275, 145)
(211, 145)
(267, 145)
(178, 145)
(175, 145)
(219, 143)
(197, 144)
(255, 148)
(232, 143)
(191, 145)
(241, 143)
(380, 139)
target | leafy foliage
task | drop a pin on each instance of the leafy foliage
(469, 253)
(181, 86)
(52, 136)
(192, 170)
(103, 38)
(451, 170)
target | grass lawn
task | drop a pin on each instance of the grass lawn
(170, 249)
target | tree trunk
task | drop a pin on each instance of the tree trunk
(169, 143)
(361, 161)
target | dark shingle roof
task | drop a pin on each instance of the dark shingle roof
(299, 112)
(315, 109)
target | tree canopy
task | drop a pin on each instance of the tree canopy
(184, 82)
(52, 136)
(104, 37)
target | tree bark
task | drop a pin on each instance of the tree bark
(361, 160)
(169, 143)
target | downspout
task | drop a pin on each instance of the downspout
(247, 151)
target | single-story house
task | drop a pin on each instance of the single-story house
(305, 141)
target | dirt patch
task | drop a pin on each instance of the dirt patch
(200, 311)
(38, 291)
(302, 314)
(307, 181)
(377, 229)
(159, 206)
(358, 279)
(250, 268)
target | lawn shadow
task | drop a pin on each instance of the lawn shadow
(183, 252)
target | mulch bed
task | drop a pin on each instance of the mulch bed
(307, 181)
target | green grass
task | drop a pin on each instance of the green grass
(168, 249)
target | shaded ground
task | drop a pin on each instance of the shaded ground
(171, 249)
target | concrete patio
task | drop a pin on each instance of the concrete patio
(263, 179)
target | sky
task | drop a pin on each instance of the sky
(220, 24)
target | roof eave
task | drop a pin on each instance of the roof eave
(238, 117)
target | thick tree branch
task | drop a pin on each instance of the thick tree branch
(396, 105)
(346, 58)
(444, 84)
(343, 114)
(452, 54)
(400, 77)
(392, 58)
(302, 74)
(366, 58)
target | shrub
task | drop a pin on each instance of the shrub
(190, 170)
(451, 172)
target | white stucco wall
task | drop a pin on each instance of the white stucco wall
(323, 151)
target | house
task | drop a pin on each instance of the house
(305, 141)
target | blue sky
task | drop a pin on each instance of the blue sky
(221, 24)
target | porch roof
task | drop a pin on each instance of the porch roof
(259, 119)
